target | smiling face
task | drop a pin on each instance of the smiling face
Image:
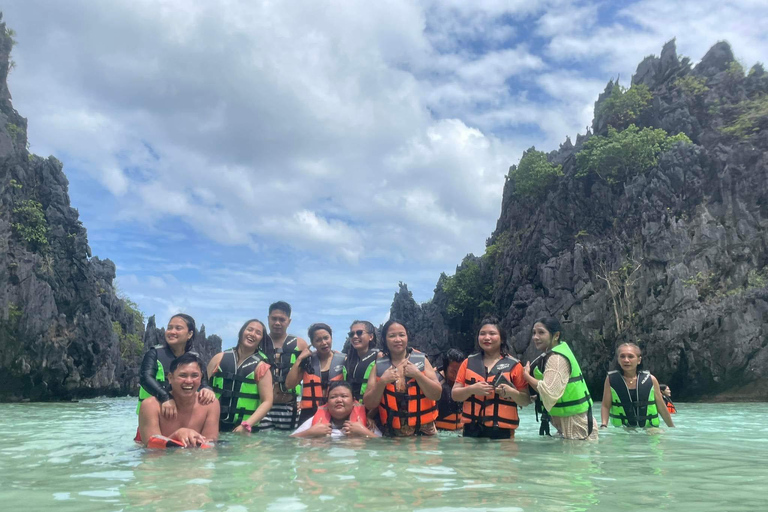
(667, 392)
(629, 357)
(177, 334)
(278, 323)
(322, 341)
(489, 339)
(340, 403)
(185, 380)
(359, 337)
(542, 338)
(252, 336)
(396, 339)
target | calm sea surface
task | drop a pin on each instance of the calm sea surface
(79, 456)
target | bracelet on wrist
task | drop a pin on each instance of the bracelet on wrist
(246, 426)
(603, 425)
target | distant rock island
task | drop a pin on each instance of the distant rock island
(64, 333)
(651, 228)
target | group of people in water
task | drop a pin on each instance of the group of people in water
(274, 380)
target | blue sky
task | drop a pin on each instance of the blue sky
(229, 154)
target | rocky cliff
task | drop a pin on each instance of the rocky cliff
(64, 332)
(631, 234)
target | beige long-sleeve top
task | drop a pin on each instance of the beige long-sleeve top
(551, 389)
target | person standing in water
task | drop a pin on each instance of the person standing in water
(490, 382)
(157, 362)
(666, 393)
(361, 357)
(448, 409)
(281, 350)
(341, 416)
(403, 387)
(631, 397)
(242, 380)
(563, 397)
(315, 370)
(194, 424)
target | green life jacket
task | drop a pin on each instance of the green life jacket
(165, 357)
(281, 361)
(236, 387)
(640, 412)
(358, 374)
(576, 399)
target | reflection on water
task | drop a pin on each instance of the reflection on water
(79, 456)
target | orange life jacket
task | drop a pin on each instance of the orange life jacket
(313, 388)
(411, 407)
(670, 406)
(492, 410)
(448, 410)
(162, 442)
(358, 415)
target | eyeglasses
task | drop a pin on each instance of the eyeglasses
(357, 333)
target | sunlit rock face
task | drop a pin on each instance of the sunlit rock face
(672, 258)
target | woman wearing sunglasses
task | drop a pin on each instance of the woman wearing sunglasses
(361, 357)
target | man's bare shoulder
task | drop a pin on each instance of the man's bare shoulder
(301, 343)
(150, 405)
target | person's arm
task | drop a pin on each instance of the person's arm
(306, 429)
(355, 429)
(376, 386)
(661, 407)
(211, 426)
(266, 397)
(427, 380)
(605, 407)
(147, 379)
(460, 391)
(149, 419)
(519, 393)
(552, 385)
(205, 394)
(297, 371)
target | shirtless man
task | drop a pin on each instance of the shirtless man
(194, 423)
(281, 350)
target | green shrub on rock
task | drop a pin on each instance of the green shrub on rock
(534, 175)
(30, 224)
(624, 105)
(622, 154)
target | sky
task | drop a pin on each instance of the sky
(229, 154)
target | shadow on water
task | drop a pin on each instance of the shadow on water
(78, 456)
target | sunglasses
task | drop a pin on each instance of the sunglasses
(357, 333)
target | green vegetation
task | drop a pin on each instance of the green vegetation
(11, 35)
(465, 291)
(15, 184)
(30, 224)
(624, 105)
(9, 329)
(131, 344)
(692, 85)
(751, 117)
(13, 130)
(622, 154)
(534, 175)
(496, 247)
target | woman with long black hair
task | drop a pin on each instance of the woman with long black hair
(361, 357)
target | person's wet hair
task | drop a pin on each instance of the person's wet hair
(492, 320)
(186, 358)
(318, 327)
(385, 329)
(190, 325)
(282, 306)
(662, 387)
(240, 334)
(339, 384)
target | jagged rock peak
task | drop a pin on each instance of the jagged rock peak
(717, 59)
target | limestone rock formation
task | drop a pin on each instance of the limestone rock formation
(673, 258)
(64, 332)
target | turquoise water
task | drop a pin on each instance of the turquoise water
(79, 456)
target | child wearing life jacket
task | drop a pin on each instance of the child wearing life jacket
(341, 416)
